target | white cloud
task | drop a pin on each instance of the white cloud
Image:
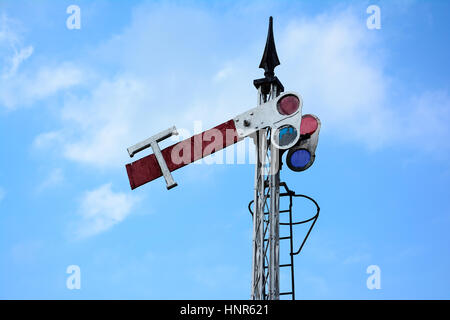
(55, 177)
(104, 121)
(426, 123)
(334, 61)
(48, 139)
(19, 88)
(118, 111)
(358, 258)
(25, 89)
(12, 51)
(331, 59)
(9, 42)
(100, 209)
(17, 59)
(223, 74)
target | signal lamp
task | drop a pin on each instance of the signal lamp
(288, 105)
(302, 155)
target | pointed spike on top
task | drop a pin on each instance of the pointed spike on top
(270, 58)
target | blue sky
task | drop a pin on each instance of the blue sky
(72, 101)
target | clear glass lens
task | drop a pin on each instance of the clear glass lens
(286, 136)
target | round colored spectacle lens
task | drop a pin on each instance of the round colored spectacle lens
(309, 125)
(286, 136)
(288, 105)
(300, 158)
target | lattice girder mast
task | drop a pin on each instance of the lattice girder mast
(266, 251)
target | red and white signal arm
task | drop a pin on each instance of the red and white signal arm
(283, 114)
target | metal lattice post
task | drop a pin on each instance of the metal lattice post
(258, 271)
(266, 252)
(274, 218)
(265, 275)
(266, 217)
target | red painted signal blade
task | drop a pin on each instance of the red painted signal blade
(201, 145)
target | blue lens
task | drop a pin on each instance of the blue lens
(287, 135)
(300, 158)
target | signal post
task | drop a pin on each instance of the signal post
(276, 125)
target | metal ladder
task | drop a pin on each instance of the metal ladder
(291, 194)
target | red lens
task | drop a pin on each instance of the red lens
(288, 105)
(309, 125)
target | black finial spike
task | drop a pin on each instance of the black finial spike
(270, 58)
(268, 62)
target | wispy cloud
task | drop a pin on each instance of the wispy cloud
(10, 47)
(47, 139)
(104, 122)
(54, 178)
(337, 66)
(223, 74)
(17, 59)
(427, 122)
(25, 88)
(19, 88)
(100, 209)
(358, 258)
(331, 59)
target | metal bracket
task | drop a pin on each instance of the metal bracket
(153, 143)
(267, 115)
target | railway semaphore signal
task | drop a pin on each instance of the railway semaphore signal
(276, 126)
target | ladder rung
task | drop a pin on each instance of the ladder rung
(282, 238)
(281, 211)
(281, 265)
(285, 293)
